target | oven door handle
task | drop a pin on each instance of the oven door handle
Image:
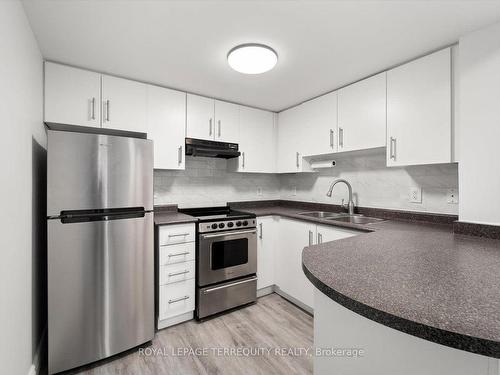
(226, 234)
(228, 285)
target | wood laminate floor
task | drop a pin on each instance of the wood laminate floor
(269, 334)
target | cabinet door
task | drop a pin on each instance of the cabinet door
(419, 111)
(257, 141)
(327, 233)
(362, 114)
(266, 227)
(227, 118)
(200, 117)
(320, 121)
(72, 96)
(294, 235)
(167, 126)
(124, 104)
(289, 139)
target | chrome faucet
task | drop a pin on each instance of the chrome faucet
(350, 204)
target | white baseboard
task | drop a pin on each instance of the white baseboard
(265, 291)
(35, 367)
(175, 320)
(32, 370)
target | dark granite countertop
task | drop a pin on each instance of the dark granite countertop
(414, 276)
(168, 214)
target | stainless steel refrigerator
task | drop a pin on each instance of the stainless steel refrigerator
(100, 246)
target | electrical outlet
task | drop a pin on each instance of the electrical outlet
(416, 194)
(452, 196)
(259, 191)
(294, 191)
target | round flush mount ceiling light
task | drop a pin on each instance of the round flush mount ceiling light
(252, 58)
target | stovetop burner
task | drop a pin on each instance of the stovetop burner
(216, 219)
(205, 214)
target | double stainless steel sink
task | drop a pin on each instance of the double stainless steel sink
(342, 217)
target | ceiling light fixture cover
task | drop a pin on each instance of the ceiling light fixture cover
(252, 58)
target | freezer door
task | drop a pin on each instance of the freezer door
(95, 171)
(100, 289)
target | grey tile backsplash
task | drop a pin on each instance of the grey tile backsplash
(205, 182)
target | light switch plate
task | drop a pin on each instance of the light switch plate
(416, 194)
(259, 191)
(294, 191)
(452, 196)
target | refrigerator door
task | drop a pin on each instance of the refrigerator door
(95, 171)
(100, 288)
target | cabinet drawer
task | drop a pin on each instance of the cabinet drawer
(172, 273)
(176, 299)
(177, 253)
(179, 233)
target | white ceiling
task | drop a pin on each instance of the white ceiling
(183, 44)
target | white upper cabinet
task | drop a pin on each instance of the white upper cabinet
(291, 140)
(419, 111)
(124, 104)
(200, 122)
(167, 126)
(362, 114)
(227, 116)
(257, 143)
(72, 96)
(320, 121)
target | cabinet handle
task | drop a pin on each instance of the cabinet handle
(243, 160)
(297, 159)
(320, 238)
(341, 137)
(107, 110)
(180, 154)
(178, 235)
(177, 299)
(219, 127)
(331, 138)
(310, 238)
(92, 104)
(178, 273)
(210, 127)
(178, 254)
(392, 145)
(260, 228)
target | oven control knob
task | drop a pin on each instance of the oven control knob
(222, 225)
(230, 224)
(245, 223)
(214, 226)
(238, 223)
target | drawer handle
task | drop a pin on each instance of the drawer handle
(178, 273)
(178, 235)
(206, 291)
(178, 254)
(177, 299)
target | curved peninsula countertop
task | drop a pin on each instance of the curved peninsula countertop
(414, 276)
(421, 279)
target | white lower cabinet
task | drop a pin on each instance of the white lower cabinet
(293, 236)
(176, 274)
(266, 241)
(176, 299)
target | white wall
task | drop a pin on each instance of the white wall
(21, 148)
(205, 182)
(479, 173)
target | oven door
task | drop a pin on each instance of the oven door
(226, 255)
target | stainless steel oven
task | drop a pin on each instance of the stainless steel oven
(226, 259)
(227, 255)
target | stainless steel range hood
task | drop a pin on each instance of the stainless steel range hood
(213, 149)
